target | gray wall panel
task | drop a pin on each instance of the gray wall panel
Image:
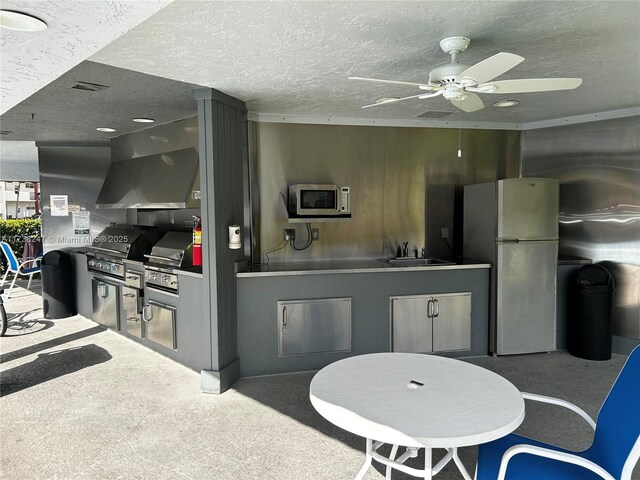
(598, 166)
(222, 155)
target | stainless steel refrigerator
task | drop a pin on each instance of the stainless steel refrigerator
(513, 224)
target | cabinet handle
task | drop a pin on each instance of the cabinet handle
(284, 318)
(430, 308)
(145, 316)
(102, 290)
(437, 308)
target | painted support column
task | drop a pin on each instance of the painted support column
(222, 124)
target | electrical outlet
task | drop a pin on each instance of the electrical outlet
(315, 234)
(444, 233)
(290, 234)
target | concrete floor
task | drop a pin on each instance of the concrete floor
(81, 402)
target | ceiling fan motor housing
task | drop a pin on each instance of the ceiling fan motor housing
(446, 74)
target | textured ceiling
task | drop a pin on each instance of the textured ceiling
(76, 30)
(295, 57)
(61, 113)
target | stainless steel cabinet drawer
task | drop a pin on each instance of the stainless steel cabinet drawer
(131, 301)
(314, 326)
(160, 320)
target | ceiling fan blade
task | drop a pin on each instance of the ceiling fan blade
(395, 82)
(526, 85)
(469, 104)
(394, 100)
(489, 68)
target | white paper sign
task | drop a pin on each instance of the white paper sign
(59, 205)
(81, 223)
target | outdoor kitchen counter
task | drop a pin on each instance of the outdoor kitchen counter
(349, 266)
(367, 288)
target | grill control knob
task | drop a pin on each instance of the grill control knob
(99, 264)
(165, 278)
(153, 276)
(114, 268)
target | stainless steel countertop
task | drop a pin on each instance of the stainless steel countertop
(348, 266)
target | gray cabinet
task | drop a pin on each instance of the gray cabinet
(314, 326)
(431, 323)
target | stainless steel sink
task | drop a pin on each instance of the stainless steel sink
(416, 262)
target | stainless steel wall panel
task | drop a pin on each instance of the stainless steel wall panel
(405, 184)
(598, 166)
(78, 171)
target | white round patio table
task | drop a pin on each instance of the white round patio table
(416, 401)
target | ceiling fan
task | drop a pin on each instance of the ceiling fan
(460, 83)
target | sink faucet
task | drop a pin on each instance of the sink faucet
(424, 254)
(405, 249)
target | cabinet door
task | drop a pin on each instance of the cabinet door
(411, 327)
(160, 322)
(314, 326)
(105, 303)
(451, 322)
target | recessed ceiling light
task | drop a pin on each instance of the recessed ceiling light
(506, 103)
(21, 21)
(144, 120)
(106, 129)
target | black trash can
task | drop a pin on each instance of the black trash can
(58, 293)
(590, 329)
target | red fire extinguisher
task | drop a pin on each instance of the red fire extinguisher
(197, 242)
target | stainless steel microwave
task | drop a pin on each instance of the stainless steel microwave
(309, 200)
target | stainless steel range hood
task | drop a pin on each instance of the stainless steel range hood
(165, 180)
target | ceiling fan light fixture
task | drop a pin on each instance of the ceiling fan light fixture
(505, 103)
(466, 82)
(387, 99)
(487, 88)
(21, 22)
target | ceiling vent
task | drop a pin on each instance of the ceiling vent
(5, 132)
(434, 114)
(87, 86)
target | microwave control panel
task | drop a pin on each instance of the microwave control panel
(344, 200)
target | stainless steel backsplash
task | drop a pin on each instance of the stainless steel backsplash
(406, 183)
(598, 166)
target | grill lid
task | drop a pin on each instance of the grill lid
(173, 250)
(124, 241)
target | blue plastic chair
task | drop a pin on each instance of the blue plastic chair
(26, 267)
(612, 455)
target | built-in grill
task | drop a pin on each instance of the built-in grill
(117, 243)
(172, 252)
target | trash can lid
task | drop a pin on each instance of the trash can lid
(595, 275)
(56, 257)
